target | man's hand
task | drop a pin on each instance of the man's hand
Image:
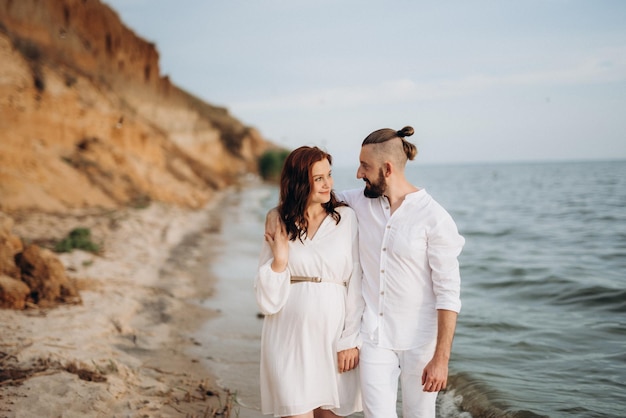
(435, 375)
(348, 359)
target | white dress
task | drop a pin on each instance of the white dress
(307, 323)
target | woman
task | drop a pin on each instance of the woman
(309, 288)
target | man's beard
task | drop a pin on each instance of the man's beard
(375, 189)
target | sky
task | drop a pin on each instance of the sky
(479, 80)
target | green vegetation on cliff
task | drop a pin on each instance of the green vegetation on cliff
(78, 238)
(271, 163)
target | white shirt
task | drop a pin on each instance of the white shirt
(410, 267)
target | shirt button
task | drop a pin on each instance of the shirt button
(382, 271)
(388, 226)
(382, 293)
(384, 249)
(381, 314)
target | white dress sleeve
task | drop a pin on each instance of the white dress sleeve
(271, 288)
(355, 304)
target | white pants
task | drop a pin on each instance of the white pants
(380, 370)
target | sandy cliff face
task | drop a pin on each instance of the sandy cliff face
(86, 119)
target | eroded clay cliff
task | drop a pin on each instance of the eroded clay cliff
(87, 120)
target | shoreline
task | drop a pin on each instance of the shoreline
(125, 350)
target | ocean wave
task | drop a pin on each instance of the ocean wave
(496, 233)
(613, 300)
(527, 281)
(477, 398)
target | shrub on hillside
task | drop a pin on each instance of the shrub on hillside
(271, 164)
(78, 238)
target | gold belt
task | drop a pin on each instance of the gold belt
(300, 279)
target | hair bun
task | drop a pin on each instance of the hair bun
(406, 131)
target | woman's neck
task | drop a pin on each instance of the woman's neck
(315, 215)
(314, 211)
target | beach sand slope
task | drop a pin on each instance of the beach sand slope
(124, 350)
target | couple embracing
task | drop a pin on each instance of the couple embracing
(360, 289)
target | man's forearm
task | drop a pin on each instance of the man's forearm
(446, 326)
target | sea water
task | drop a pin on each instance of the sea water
(542, 331)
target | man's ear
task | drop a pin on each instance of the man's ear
(387, 168)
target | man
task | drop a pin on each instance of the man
(409, 247)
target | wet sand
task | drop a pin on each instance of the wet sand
(233, 338)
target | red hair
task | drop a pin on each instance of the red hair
(296, 181)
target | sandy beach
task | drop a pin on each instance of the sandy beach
(125, 350)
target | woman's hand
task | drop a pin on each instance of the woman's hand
(271, 220)
(279, 244)
(347, 359)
